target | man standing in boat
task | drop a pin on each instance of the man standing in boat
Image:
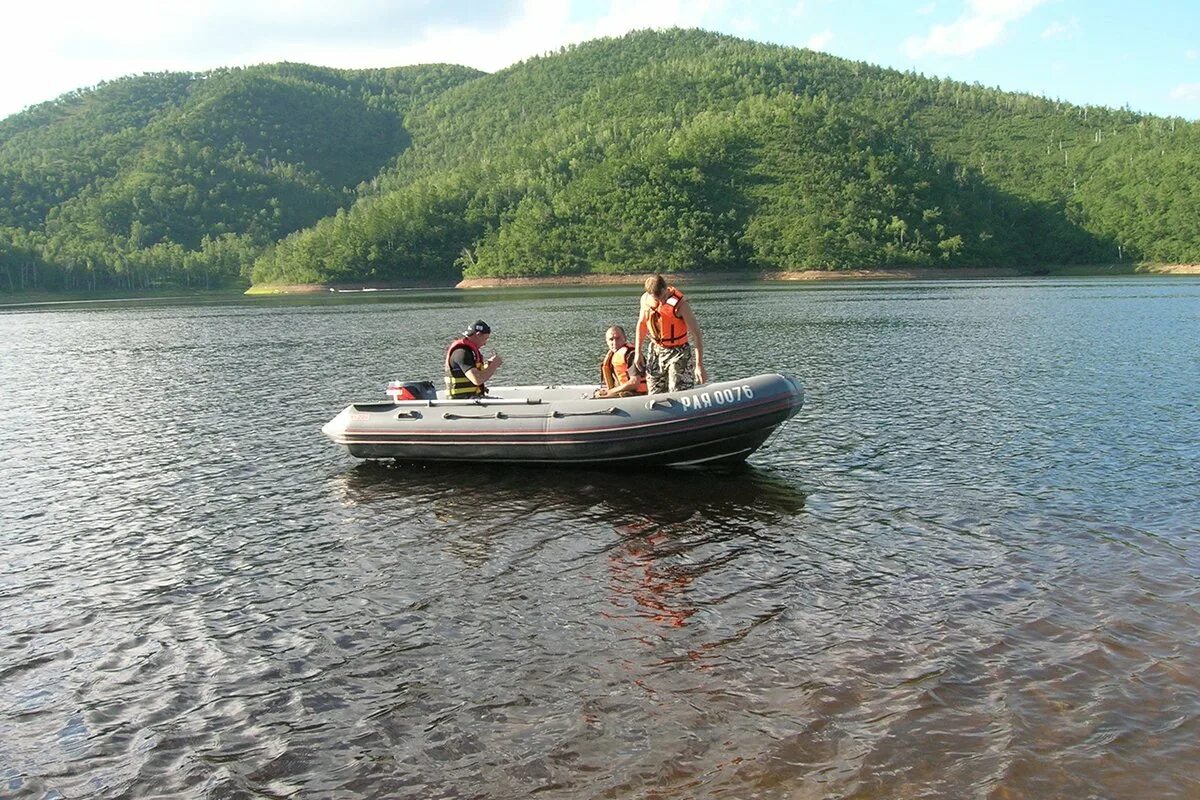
(466, 370)
(667, 317)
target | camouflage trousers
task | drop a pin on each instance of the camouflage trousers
(670, 369)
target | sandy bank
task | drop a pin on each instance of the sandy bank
(1172, 269)
(346, 288)
(904, 274)
(742, 277)
(909, 274)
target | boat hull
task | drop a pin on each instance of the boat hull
(710, 425)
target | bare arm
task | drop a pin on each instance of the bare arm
(627, 386)
(478, 376)
(685, 311)
(639, 336)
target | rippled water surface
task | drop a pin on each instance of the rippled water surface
(968, 568)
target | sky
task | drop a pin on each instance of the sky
(1094, 52)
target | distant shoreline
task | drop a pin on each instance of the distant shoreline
(910, 274)
(740, 277)
(904, 274)
(913, 274)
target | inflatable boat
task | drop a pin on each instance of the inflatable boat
(709, 425)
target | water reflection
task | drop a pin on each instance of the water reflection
(967, 569)
(653, 529)
(734, 499)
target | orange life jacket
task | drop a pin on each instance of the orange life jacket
(457, 382)
(615, 369)
(667, 327)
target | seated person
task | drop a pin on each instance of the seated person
(621, 377)
(466, 370)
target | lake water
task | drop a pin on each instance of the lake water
(970, 567)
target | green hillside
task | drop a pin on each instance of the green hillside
(685, 150)
(186, 178)
(674, 150)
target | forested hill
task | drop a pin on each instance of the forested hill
(673, 150)
(184, 179)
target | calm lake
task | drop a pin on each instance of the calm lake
(970, 567)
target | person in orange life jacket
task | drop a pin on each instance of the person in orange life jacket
(621, 377)
(466, 370)
(667, 318)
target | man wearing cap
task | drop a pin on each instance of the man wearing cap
(466, 369)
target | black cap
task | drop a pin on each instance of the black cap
(479, 327)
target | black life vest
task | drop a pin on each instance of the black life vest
(457, 382)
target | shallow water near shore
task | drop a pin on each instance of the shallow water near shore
(968, 568)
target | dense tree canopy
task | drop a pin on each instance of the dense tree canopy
(187, 178)
(674, 150)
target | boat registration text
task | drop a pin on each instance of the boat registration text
(718, 397)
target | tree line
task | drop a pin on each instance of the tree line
(674, 150)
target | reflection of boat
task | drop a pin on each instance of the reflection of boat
(640, 523)
(714, 424)
(737, 500)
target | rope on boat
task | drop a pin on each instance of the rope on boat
(609, 410)
(551, 415)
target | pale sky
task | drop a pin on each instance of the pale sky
(1101, 52)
